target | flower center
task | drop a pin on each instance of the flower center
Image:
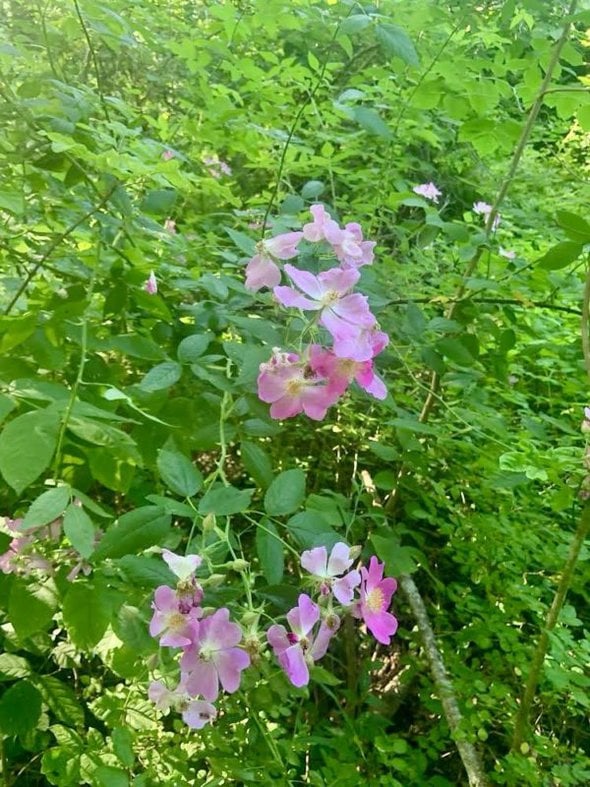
(330, 297)
(294, 386)
(176, 621)
(375, 601)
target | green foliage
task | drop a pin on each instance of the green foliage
(130, 421)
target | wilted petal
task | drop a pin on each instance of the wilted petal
(198, 713)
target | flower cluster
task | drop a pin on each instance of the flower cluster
(210, 654)
(313, 624)
(216, 167)
(313, 379)
(213, 654)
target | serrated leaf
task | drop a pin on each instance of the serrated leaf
(13, 667)
(162, 376)
(133, 532)
(225, 501)
(79, 530)
(31, 605)
(178, 473)
(270, 551)
(19, 465)
(47, 507)
(286, 493)
(244, 242)
(257, 462)
(456, 350)
(398, 560)
(310, 529)
(561, 255)
(396, 43)
(145, 571)
(61, 699)
(192, 347)
(20, 708)
(372, 122)
(87, 611)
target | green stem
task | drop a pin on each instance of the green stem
(94, 60)
(80, 375)
(521, 723)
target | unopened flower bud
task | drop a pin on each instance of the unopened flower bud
(250, 619)
(237, 565)
(209, 522)
(355, 552)
(214, 581)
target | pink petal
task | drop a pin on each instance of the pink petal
(309, 284)
(229, 665)
(293, 662)
(343, 588)
(325, 634)
(340, 560)
(382, 626)
(287, 296)
(203, 680)
(262, 272)
(315, 561)
(338, 280)
(287, 407)
(198, 713)
(304, 616)
(180, 565)
(355, 309)
(316, 401)
(277, 638)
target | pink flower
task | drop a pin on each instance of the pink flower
(348, 244)
(215, 167)
(291, 387)
(507, 253)
(344, 315)
(170, 226)
(483, 209)
(168, 154)
(151, 284)
(195, 713)
(213, 657)
(341, 371)
(261, 270)
(173, 617)
(375, 598)
(322, 223)
(316, 561)
(299, 647)
(182, 566)
(428, 190)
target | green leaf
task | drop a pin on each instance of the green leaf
(398, 560)
(270, 551)
(48, 506)
(257, 462)
(574, 226)
(20, 709)
(395, 42)
(178, 473)
(31, 605)
(312, 189)
(20, 465)
(286, 493)
(561, 255)
(372, 122)
(133, 532)
(310, 529)
(123, 746)
(144, 571)
(162, 376)
(79, 530)
(87, 611)
(61, 699)
(192, 347)
(225, 500)
(159, 202)
(456, 350)
(13, 666)
(109, 776)
(244, 242)
(354, 24)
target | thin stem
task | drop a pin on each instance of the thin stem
(467, 751)
(94, 60)
(585, 322)
(80, 375)
(53, 246)
(521, 723)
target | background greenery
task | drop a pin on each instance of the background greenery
(144, 407)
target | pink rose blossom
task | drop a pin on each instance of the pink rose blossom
(375, 598)
(341, 371)
(213, 657)
(197, 713)
(168, 154)
(322, 223)
(345, 315)
(174, 618)
(291, 387)
(215, 167)
(261, 270)
(507, 253)
(170, 226)
(299, 647)
(317, 562)
(151, 284)
(428, 190)
(348, 244)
